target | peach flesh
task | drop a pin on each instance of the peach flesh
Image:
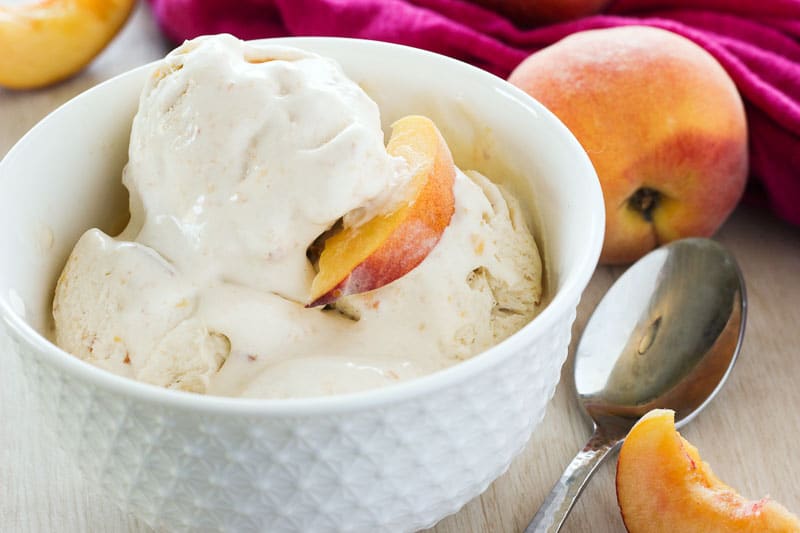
(48, 41)
(387, 247)
(663, 485)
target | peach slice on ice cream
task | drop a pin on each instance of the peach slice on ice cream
(663, 485)
(384, 248)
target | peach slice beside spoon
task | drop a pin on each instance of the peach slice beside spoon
(664, 485)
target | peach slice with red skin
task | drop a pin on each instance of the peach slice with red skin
(663, 485)
(386, 247)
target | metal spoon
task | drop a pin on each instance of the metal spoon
(665, 335)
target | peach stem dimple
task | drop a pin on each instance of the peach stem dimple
(645, 200)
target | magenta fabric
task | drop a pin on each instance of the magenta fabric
(758, 43)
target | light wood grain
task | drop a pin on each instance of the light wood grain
(748, 434)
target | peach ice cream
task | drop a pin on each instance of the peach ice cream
(250, 169)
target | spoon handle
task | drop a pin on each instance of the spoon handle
(557, 505)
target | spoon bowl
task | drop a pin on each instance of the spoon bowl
(666, 335)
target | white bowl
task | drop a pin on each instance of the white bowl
(394, 459)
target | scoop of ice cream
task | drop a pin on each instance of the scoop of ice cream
(240, 158)
(121, 306)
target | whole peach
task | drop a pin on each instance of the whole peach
(662, 122)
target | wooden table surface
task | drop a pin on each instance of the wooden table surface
(748, 434)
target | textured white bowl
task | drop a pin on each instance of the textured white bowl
(396, 459)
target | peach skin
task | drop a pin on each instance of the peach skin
(663, 486)
(661, 121)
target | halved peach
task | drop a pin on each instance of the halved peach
(384, 248)
(47, 41)
(663, 485)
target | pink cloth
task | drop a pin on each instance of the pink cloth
(758, 43)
